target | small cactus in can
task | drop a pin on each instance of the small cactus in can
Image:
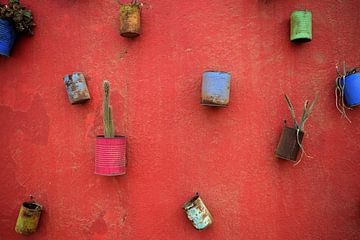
(109, 131)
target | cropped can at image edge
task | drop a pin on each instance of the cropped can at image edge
(215, 89)
(198, 213)
(351, 86)
(28, 219)
(7, 37)
(301, 26)
(76, 88)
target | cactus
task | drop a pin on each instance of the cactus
(109, 131)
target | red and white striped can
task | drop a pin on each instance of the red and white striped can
(110, 156)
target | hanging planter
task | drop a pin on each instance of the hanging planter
(130, 19)
(15, 21)
(28, 219)
(198, 213)
(301, 26)
(110, 152)
(291, 137)
(76, 88)
(7, 37)
(347, 90)
(215, 90)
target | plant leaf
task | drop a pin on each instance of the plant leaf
(291, 108)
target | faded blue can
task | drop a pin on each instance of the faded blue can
(215, 90)
(352, 89)
(7, 37)
(76, 88)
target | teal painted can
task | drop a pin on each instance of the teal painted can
(198, 213)
(215, 90)
(301, 26)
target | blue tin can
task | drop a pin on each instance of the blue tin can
(215, 89)
(7, 37)
(352, 89)
(76, 88)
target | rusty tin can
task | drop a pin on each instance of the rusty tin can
(28, 219)
(130, 20)
(288, 147)
(198, 213)
(76, 88)
(215, 90)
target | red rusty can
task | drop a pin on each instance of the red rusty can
(110, 156)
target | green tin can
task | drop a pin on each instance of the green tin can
(28, 218)
(301, 26)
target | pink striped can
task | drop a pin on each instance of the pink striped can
(110, 156)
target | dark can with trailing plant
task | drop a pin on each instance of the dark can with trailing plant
(215, 89)
(28, 219)
(198, 213)
(291, 137)
(76, 88)
(288, 147)
(130, 19)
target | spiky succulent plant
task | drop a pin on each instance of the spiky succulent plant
(305, 115)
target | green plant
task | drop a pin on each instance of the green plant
(19, 16)
(109, 131)
(305, 115)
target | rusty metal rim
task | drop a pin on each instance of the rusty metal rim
(110, 175)
(215, 105)
(191, 201)
(102, 136)
(38, 207)
(209, 71)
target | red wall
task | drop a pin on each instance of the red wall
(175, 145)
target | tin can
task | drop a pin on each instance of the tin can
(110, 156)
(215, 90)
(352, 89)
(76, 88)
(130, 20)
(28, 219)
(288, 147)
(7, 37)
(198, 213)
(301, 26)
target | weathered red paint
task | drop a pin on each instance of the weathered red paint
(175, 145)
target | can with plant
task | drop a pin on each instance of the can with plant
(291, 137)
(15, 21)
(110, 152)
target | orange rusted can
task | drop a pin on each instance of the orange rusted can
(198, 213)
(130, 19)
(28, 219)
